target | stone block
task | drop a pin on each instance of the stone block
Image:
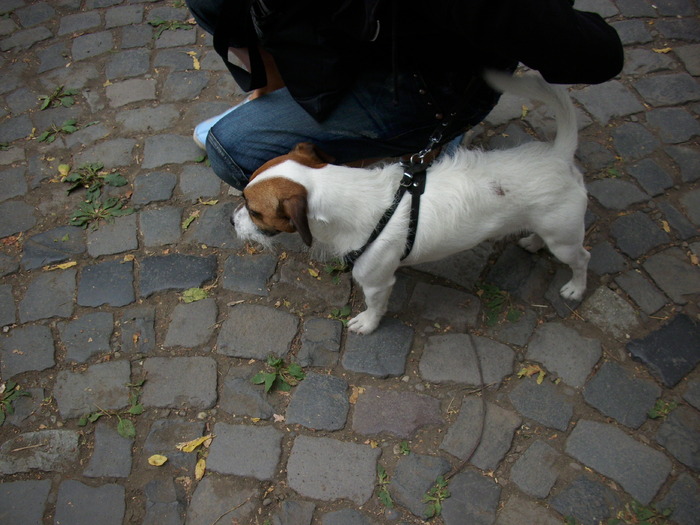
(617, 393)
(383, 353)
(191, 324)
(640, 469)
(101, 387)
(319, 402)
(256, 331)
(180, 382)
(491, 443)
(328, 469)
(562, 350)
(375, 412)
(244, 450)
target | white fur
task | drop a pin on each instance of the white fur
(469, 197)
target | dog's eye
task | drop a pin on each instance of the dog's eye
(255, 214)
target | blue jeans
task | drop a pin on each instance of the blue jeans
(374, 119)
(370, 122)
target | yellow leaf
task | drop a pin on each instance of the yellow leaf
(373, 444)
(524, 112)
(63, 266)
(255, 419)
(665, 226)
(662, 50)
(195, 60)
(313, 273)
(357, 391)
(540, 377)
(694, 259)
(157, 460)
(128, 258)
(190, 446)
(529, 371)
(212, 202)
(63, 170)
(200, 468)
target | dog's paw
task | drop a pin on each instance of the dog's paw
(571, 292)
(532, 243)
(364, 323)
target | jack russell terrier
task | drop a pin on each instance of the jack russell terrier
(469, 197)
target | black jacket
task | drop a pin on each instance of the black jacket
(321, 45)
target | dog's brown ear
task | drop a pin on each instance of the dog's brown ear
(295, 207)
(313, 153)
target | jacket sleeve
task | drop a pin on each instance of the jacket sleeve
(565, 45)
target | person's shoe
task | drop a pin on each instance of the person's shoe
(201, 130)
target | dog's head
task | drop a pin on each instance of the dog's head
(276, 203)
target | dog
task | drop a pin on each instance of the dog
(469, 197)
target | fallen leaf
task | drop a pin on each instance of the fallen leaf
(529, 371)
(694, 259)
(63, 170)
(63, 266)
(200, 468)
(524, 111)
(662, 50)
(189, 220)
(195, 60)
(278, 418)
(212, 202)
(313, 273)
(665, 226)
(540, 377)
(190, 446)
(157, 460)
(356, 392)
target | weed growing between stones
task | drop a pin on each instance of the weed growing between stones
(93, 178)
(434, 498)
(282, 377)
(498, 305)
(125, 426)
(383, 488)
(341, 314)
(662, 408)
(637, 514)
(8, 393)
(59, 97)
(167, 25)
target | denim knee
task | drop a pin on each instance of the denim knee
(223, 164)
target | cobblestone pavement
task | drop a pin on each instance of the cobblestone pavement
(89, 314)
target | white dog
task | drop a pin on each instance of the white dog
(470, 197)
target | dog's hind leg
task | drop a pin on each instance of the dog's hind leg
(576, 256)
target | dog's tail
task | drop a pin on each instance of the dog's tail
(535, 87)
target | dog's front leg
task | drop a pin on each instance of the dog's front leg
(377, 286)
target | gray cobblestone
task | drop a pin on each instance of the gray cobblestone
(564, 351)
(180, 382)
(375, 412)
(608, 450)
(244, 450)
(327, 469)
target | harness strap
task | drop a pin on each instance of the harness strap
(413, 181)
(416, 189)
(351, 257)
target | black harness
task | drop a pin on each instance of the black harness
(413, 181)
